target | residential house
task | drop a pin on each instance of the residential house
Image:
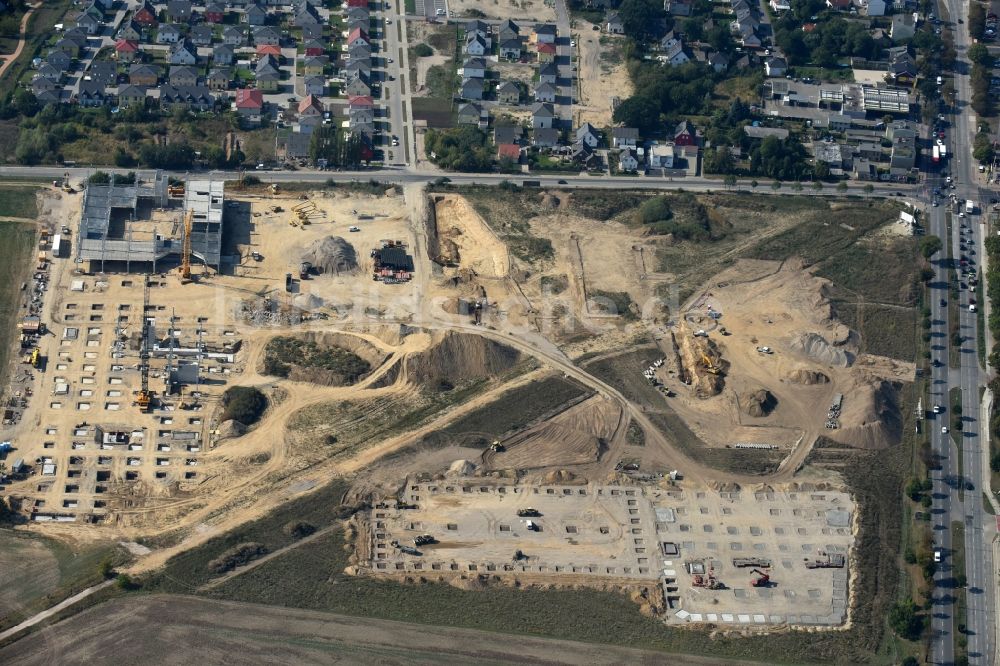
(357, 36)
(362, 4)
(272, 50)
(685, 134)
(143, 75)
(314, 65)
(584, 156)
(362, 50)
(509, 151)
(719, 62)
(46, 97)
(358, 66)
(358, 86)
(357, 24)
(542, 115)
(315, 85)
(306, 15)
(195, 98)
(508, 134)
(477, 27)
(145, 15)
(545, 33)
(476, 45)
(471, 89)
(310, 31)
(764, 132)
(310, 114)
(253, 15)
(778, 6)
(474, 68)
(508, 92)
(168, 33)
(92, 94)
(508, 30)
(624, 137)
(219, 78)
(43, 84)
(903, 27)
(47, 71)
(904, 154)
(546, 52)
(675, 55)
(104, 71)
(314, 47)
(268, 81)
(545, 92)
(545, 137)
(589, 135)
(183, 53)
(215, 12)
(473, 114)
(628, 160)
(71, 47)
(876, 7)
(234, 36)
(89, 23)
(775, 66)
(183, 76)
(361, 111)
(130, 30)
(103, 4)
(614, 24)
(129, 96)
(126, 50)
(356, 14)
(548, 73)
(902, 71)
(680, 8)
(249, 105)
(661, 156)
(179, 11)
(59, 59)
(202, 35)
(266, 35)
(510, 49)
(223, 54)
(77, 37)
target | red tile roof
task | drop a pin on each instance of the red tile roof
(361, 100)
(127, 45)
(511, 150)
(249, 98)
(544, 47)
(310, 101)
(269, 49)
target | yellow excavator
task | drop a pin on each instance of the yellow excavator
(708, 364)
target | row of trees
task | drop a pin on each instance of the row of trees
(337, 147)
(982, 63)
(462, 148)
(829, 41)
(665, 94)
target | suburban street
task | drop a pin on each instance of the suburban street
(958, 486)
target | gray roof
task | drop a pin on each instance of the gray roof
(543, 110)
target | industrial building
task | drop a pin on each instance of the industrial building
(136, 227)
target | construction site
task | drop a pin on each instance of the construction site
(483, 396)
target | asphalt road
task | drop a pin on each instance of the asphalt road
(948, 506)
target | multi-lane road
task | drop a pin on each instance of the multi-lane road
(958, 485)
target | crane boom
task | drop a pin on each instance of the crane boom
(186, 246)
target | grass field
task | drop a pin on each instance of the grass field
(18, 201)
(36, 572)
(957, 557)
(39, 30)
(18, 243)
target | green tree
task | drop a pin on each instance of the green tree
(980, 55)
(817, 185)
(868, 188)
(905, 620)
(754, 184)
(729, 181)
(641, 18)
(776, 185)
(929, 246)
(842, 186)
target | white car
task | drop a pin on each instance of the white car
(937, 409)
(944, 430)
(937, 556)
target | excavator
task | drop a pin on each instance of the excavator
(762, 579)
(708, 364)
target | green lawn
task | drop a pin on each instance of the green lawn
(18, 201)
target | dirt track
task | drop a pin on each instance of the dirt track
(185, 630)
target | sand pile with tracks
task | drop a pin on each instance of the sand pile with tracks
(458, 358)
(332, 256)
(816, 348)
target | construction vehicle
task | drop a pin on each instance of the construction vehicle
(708, 364)
(751, 562)
(497, 447)
(707, 581)
(762, 579)
(144, 398)
(423, 540)
(765, 350)
(175, 190)
(304, 268)
(274, 188)
(532, 527)
(36, 358)
(185, 269)
(827, 561)
(528, 512)
(256, 256)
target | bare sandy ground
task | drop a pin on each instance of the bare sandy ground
(599, 81)
(528, 10)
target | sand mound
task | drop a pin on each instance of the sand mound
(331, 256)
(758, 403)
(460, 357)
(231, 428)
(559, 476)
(874, 409)
(461, 468)
(549, 445)
(807, 377)
(308, 301)
(815, 347)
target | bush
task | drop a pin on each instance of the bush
(244, 404)
(238, 555)
(423, 51)
(299, 529)
(929, 246)
(905, 621)
(463, 148)
(282, 353)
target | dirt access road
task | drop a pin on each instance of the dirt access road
(186, 630)
(9, 60)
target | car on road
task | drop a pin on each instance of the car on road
(944, 430)
(938, 409)
(561, 181)
(944, 303)
(390, 60)
(395, 142)
(572, 42)
(937, 556)
(936, 363)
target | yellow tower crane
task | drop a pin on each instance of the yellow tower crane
(185, 268)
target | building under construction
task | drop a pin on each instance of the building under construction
(135, 227)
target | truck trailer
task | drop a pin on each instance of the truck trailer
(970, 207)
